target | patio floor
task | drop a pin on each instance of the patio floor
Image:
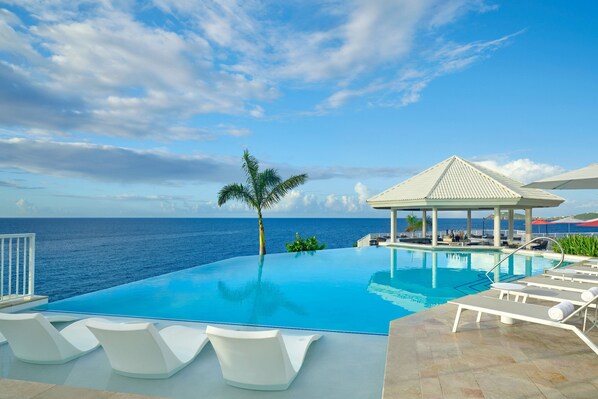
(487, 360)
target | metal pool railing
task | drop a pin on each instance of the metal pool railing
(522, 247)
(17, 266)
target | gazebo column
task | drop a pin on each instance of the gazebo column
(434, 227)
(528, 224)
(424, 227)
(511, 226)
(497, 226)
(393, 225)
(469, 224)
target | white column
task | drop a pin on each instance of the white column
(528, 224)
(469, 224)
(424, 227)
(393, 225)
(434, 227)
(497, 227)
(511, 225)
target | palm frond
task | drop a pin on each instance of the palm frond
(282, 188)
(237, 192)
(251, 167)
(267, 180)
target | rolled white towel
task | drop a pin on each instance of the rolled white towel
(560, 311)
(589, 294)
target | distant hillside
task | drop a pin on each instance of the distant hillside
(587, 216)
(505, 216)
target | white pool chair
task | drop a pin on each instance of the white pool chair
(51, 319)
(524, 311)
(139, 350)
(580, 267)
(34, 340)
(259, 360)
(556, 283)
(571, 275)
(523, 292)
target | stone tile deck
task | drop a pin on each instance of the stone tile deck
(15, 389)
(487, 360)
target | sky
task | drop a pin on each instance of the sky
(144, 108)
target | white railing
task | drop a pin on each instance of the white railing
(17, 266)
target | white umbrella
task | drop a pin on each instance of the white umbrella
(581, 179)
(569, 221)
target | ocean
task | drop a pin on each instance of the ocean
(79, 255)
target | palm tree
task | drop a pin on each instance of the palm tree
(262, 190)
(414, 224)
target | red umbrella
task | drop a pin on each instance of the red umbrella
(589, 223)
(542, 221)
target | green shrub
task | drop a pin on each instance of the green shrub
(302, 245)
(579, 245)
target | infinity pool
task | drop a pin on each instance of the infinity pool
(350, 290)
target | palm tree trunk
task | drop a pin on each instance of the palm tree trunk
(262, 236)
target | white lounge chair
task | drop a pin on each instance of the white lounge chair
(559, 284)
(571, 275)
(523, 311)
(34, 340)
(139, 350)
(580, 268)
(51, 319)
(259, 360)
(542, 293)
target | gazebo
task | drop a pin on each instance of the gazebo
(456, 184)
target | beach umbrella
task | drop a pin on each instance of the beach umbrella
(580, 179)
(539, 221)
(568, 221)
(589, 223)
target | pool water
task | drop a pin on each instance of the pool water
(350, 290)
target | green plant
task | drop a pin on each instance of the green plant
(579, 245)
(303, 245)
(263, 190)
(414, 224)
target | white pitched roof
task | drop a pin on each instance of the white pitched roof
(459, 184)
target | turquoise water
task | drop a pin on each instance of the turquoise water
(351, 290)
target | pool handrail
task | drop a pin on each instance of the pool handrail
(523, 246)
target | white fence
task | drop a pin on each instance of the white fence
(17, 266)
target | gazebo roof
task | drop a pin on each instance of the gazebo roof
(459, 184)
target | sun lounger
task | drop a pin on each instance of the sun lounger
(558, 284)
(580, 268)
(568, 274)
(51, 319)
(523, 311)
(139, 350)
(34, 340)
(542, 293)
(260, 360)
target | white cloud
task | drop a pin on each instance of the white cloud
(25, 206)
(362, 192)
(103, 68)
(524, 170)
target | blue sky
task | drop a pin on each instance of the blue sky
(124, 108)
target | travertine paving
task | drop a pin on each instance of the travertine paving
(15, 389)
(486, 360)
